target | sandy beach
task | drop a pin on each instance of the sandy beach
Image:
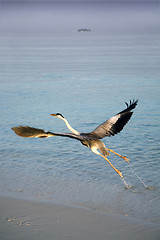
(23, 219)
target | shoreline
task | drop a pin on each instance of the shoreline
(33, 220)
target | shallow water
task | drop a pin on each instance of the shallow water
(87, 78)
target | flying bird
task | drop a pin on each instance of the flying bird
(110, 127)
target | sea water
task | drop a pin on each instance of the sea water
(87, 77)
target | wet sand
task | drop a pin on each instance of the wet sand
(31, 220)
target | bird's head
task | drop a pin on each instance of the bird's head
(58, 115)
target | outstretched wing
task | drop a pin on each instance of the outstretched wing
(30, 132)
(116, 123)
(25, 131)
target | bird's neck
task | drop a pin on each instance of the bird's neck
(70, 128)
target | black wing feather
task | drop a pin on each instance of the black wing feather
(130, 107)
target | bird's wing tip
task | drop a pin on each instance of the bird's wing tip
(132, 102)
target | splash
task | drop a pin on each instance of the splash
(127, 184)
(141, 180)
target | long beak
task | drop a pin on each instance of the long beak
(52, 114)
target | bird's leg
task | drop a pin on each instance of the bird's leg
(117, 171)
(125, 158)
(95, 150)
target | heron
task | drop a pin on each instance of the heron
(110, 127)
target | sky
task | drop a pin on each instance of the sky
(48, 17)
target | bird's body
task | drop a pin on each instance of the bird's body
(92, 140)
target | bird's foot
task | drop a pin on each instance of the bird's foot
(126, 159)
(119, 172)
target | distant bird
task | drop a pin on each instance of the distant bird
(109, 128)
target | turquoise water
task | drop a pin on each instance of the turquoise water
(87, 77)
